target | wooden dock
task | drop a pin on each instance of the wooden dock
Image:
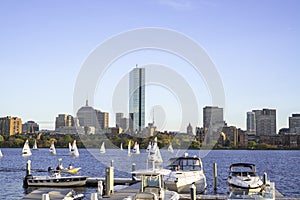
(129, 191)
(57, 194)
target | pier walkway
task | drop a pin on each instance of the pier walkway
(128, 191)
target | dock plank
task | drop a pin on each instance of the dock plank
(57, 194)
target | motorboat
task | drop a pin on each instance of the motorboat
(55, 180)
(26, 149)
(185, 171)
(61, 169)
(152, 186)
(266, 193)
(244, 176)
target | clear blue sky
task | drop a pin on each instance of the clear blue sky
(254, 44)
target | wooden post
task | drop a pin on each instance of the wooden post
(45, 197)
(215, 176)
(100, 188)
(265, 178)
(193, 191)
(133, 168)
(28, 168)
(94, 196)
(109, 180)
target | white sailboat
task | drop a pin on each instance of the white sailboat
(35, 146)
(154, 153)
(129, 148)
(74, 150)
(26, 149)
(52, 148)
(121, 146)
(136, 148)
(170, 148)
(102, 148)
(1, 155)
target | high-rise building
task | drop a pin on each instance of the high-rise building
(87, 117)
(137, 98)
(212, 117)
(10, 125)
(294, 123)
(265, 121)
(119, 116)
(103, 119)
(213, 123)
(251, 127)
(30, 127)
(64, 120)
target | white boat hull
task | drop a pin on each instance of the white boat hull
(245, 182)
(181, 181)
(46, 181)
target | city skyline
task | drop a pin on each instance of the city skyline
(253, 44)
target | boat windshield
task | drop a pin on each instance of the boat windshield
(186, 164)
(151, 181)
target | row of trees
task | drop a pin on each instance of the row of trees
(94, 141)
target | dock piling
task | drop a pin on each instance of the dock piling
(109, 180)
(28, 168)
(265, 178)
(215, 176)
(94, 196)
(133, 168)
(100, 188)
(45, 197)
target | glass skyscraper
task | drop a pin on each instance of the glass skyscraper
(137, 98)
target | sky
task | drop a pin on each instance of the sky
(254, 45)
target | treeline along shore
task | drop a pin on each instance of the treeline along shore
(179, 141)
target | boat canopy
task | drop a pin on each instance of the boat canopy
(242, 167)
(185, 163)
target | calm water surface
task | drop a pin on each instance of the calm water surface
(282, 167)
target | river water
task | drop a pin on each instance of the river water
(282, 167)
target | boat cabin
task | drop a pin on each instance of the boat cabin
(242, 169)
(185, 164)
(152, 185)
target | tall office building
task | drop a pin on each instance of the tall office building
(294, 123)
(64, 120)
(265, 120)
(30, 127)
(119, 116)
(103, 119)
(251, 127)
(212, 117)
(137, 98)
(10, 125)
(87, 116)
